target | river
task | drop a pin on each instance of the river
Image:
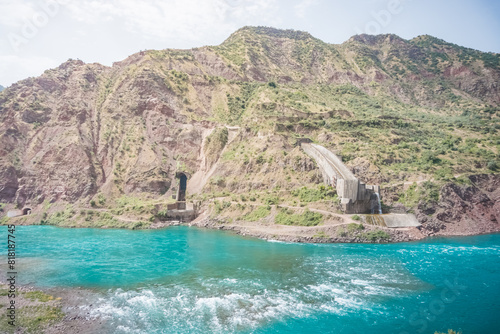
(190, 280)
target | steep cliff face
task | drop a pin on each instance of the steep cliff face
(231, 116)
(81, 128)
(464, 210)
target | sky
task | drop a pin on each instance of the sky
(36, 35)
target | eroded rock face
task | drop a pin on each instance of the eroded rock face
(78, 130)
(8, 184)
(464, 210)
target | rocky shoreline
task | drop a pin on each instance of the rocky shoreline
(51, 311)
(321, 234)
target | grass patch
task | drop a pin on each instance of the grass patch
(258, 214)
(215, 143)
(61, 218)
(427, 192)
(307, 218)
(307, 195)
(32, 319)
(90, 218)
(38, 296)
(133, 204)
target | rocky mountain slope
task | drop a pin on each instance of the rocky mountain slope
(398, 112)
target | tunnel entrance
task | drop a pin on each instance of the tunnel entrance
(26, 211)
(181, 192)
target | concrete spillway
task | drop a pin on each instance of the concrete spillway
(393, 220)
(356, 197)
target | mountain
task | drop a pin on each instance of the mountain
(231, 116)
(1, 88)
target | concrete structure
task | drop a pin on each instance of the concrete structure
(181, 210)
(356, 197)
(18, 213)
(393, 220)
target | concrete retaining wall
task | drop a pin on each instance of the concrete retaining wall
(182, 211)
(14, 213)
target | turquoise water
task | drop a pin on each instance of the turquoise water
(188, 280)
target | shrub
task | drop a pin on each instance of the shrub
(353, 227)
(162, 215)
(101, 199)
(342, 232)
(261, 159)
(492, 165)
(355, 217)
(430, 191)
(219, 207)
(320, 234)
(377, 235)
(271, 200)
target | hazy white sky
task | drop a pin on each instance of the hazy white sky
(39, 34)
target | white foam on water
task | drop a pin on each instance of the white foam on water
(360, 282)
(147, 300)
(225, 305)
(227, 313)
(282, 242)
(470, 249)
(350, 303)
(125, 329)
(230, 280)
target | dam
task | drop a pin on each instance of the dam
(355, 196)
